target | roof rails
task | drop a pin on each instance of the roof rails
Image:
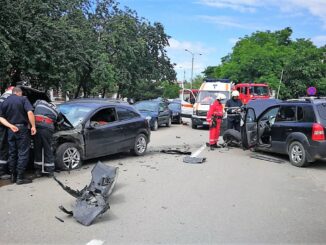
(306, 99)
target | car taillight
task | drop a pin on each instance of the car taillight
(317, 132)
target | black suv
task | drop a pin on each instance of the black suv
(295, 127)
(98, 128)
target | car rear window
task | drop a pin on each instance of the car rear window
(321, 108)
(305, 114)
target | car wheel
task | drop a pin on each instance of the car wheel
(68, 156)
(155, 126)
(297, 154)
(140, 146)
(168, 124)
(180, 120)
(193, 125)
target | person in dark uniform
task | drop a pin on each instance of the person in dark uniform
(4, 172)
(46, 117)
(231, 107)
(18, 111)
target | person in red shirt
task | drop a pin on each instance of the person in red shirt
(214, 119)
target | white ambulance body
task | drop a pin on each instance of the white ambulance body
(206, 96)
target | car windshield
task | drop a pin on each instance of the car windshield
(208, 97)
(259, 90)
(147, 106)
(75, 113)
(175, 106)
(322, 112)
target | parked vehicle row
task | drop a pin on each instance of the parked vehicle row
(160, 112)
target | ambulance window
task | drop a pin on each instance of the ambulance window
(244, 90)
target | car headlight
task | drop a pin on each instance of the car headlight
(148, 118)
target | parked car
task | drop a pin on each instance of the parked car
(296, 128)
(155, 111)
(175, 108)
(98, 128)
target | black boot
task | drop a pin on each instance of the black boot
(4, 175)
(212, 147)
(22, 180)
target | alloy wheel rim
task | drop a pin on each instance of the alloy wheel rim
(155, 125)
(71, 158)
(297, 154)
(141, 145)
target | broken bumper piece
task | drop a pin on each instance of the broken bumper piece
(93, 200)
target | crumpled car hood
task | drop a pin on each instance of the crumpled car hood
(93, 200)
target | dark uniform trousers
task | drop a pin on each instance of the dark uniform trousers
(234, 122)
(3, 150)
(43, 139)
(19, 145)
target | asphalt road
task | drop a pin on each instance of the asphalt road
(231, 198)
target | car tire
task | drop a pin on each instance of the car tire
(168, 124)
(297, 154)
(193, 125)
(68, 154)
(232, 137)
(180, 120)
(155, 126)
(140, 145)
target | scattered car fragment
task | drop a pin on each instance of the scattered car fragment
(93, 200)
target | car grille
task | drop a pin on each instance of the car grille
(202, 113)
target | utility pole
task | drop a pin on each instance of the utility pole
(279, 86)
(192, 65)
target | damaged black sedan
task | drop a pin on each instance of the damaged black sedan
(98, 128)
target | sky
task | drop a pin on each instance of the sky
(210, 28)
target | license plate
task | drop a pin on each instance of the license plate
(205, 123)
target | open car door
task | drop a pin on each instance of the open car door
(249, 129)
(187, 101)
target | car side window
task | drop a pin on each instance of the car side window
(286, 114)
(309, 114)
(103, 117)
(161, 107)
(125, 114)
(250, 117)
(300, 114)
(270, 115)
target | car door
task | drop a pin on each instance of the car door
(103, 133)
(164, 113)
(249, 129)
(131, 122)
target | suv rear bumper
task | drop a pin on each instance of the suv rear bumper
(317, 150)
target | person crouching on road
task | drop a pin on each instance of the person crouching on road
(18, 111)
(231, 107)
(46, 116)
(214, 119)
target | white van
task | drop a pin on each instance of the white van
(206, 97)
(188, 99)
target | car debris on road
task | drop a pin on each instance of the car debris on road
(93, 200)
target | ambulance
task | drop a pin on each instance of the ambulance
(206, 96)
(187, 98)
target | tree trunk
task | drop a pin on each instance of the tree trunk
(78, 90)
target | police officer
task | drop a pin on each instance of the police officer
(46, 116)
(4, 142)
(214, 119)
(232, 106)
(18, 111)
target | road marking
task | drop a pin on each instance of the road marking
(95, 242)
(196, 153)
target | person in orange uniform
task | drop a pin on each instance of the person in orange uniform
(214, 119)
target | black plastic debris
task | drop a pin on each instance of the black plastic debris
(61, 220)
(266, 158)
(93, 200)
(177, 152)
(197, 160)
